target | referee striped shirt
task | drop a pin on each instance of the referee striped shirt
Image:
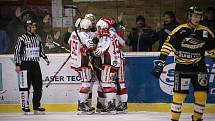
(28, 48)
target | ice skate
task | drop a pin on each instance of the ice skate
(84, 109)
(39, 111)
(122, 108)
(26, 111)
(111, 109)
(100, 107)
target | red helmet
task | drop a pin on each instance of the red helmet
(111, 22)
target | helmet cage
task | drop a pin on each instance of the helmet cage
(101, 24)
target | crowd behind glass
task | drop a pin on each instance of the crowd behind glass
(140, 38)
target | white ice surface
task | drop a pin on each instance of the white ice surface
(69, 116)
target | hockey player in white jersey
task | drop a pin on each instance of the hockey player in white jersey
(96, 63)
(80, 45)
(108, 50)
(121, 90)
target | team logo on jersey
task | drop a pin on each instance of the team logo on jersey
(166, 80)
(192, 43)
(203, 82)
(202, 79)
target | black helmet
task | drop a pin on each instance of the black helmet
(194, 10)
(29, 23)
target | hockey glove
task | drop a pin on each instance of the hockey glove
(211, 55)
(158, 67)
(90, 45)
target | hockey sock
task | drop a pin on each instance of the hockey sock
(84, 92)
(89, 100)
(176, 106)
(109, 91)
(83, 95)
(199, 106)
(122, 94)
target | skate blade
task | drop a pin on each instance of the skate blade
(85, 113)
(103, 113)
(98, 110)
(39, 112)
(27, 113)
(108, 113)
(122, 112)
(112, 112)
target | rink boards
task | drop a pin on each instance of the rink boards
(146, 93)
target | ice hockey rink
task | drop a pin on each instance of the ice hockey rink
(71, 116)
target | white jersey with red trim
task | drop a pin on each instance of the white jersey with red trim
(121, 41)
(109, 46)
(114, 34)
(93, 34)
(78, 49)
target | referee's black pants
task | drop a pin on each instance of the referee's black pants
(34, 78)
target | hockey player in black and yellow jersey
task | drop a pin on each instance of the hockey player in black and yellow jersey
(189, 42)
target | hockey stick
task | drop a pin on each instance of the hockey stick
(62, 47)
(94, 74)
(73, 7)
(58, 71)
(3, 92)
(57, 44)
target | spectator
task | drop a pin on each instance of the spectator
(15, 26)
(209, 19)
(4, 42)
(142, 36)
(168, 25)
(49, 38)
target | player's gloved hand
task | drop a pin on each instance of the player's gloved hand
(91, 45)
(211, 55)
(158, 67)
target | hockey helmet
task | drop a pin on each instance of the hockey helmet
(29, 23)
(85, 24)
(110, 21)
(194, 10)
(90, 16)
(101, 24)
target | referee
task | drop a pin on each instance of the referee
(28, 51)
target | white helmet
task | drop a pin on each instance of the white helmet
(101, 24)
(85, 24)
(90, 16)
